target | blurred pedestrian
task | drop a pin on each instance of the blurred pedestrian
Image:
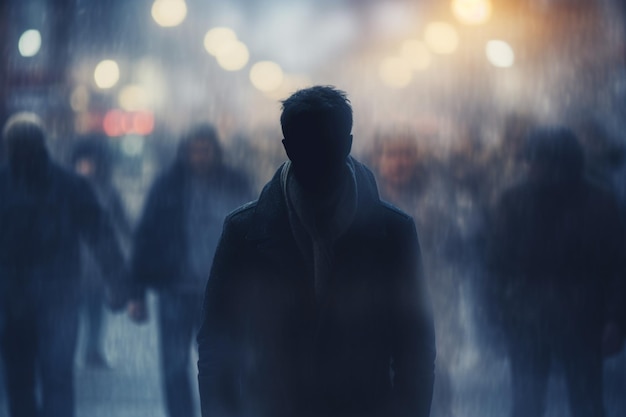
(45, 214)
(315, 305)
(411, 178)
(556, 261)
(173, 251)
(92, 160)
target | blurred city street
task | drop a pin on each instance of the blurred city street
(132, 386)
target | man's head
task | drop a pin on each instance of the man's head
(396, 157)
(201, 151)
(317, 125)
(555, 155)
(24, 140)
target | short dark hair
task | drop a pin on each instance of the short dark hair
(324, 104)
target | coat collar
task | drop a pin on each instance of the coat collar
(271, 221)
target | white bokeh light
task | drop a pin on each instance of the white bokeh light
(169, 13)
(266, 76)
(107, 74)
(441, 37)
(472, 12)
(217, 37)
(29, 43)
(233, 56)
(500, 54)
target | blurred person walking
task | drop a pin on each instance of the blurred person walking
(45, 214)
(91, 159)
(173, 251)
(315, 306)
(556, 259)
(411, 178)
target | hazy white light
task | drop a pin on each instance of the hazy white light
(500, 54)
(441, 37)
(133, 97)
(216, 38)
(472, 12)
(266, 75)
(132, 145)
(416, 54)
(395, 72)
(107, 74)
(79, 100)
(233, 56)
(169, 13)
(29, 43)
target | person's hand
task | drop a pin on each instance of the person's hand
(612, 339)
(138, 311)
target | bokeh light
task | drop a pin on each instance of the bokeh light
(79, 99)
(441, 37)
(107, 74)
(472, 12)
(169, 13)
(500, 54)
(29, 43)
(395, 72)
(133, 97)
(233, 56)
(266, 76)
(416, 54)
(217, 37)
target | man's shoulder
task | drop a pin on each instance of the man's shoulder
(394, 213)
(242, 214)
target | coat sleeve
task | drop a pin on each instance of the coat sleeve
(219, 341)
(96, 229)
(413, 354)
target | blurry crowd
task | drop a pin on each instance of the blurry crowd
(522, 243)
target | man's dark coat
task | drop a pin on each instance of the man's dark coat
(269, 347)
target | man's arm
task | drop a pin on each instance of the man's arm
(414, 336)
(218, 340)
(97, 231)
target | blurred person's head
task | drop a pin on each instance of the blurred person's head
(91, 158)
(317, 128)
(200, 151)
(555, 156)
(396, 158)
(24, 140)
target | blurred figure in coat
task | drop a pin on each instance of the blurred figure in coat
(173, 250)
(45, 215)
(556, 258)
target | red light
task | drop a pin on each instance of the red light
(112, 123)
(118, 123)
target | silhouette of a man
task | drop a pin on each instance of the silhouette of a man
(315, 303)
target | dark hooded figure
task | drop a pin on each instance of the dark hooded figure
(556, 252)
(45, 214)
(92, 160)
(315, 303)
(173, 249)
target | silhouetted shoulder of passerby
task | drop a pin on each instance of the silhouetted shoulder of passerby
(173, 250)
(315, 305)
(556, 262)
(45, 214)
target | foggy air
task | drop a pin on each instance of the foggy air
(350, 208)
